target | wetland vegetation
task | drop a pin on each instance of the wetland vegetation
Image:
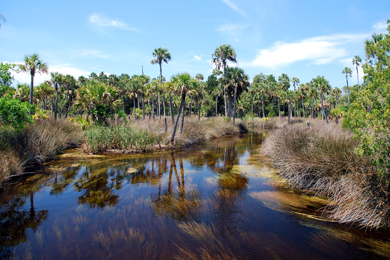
(153, 174)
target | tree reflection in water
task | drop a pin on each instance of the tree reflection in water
(178, 204)
(15, 221)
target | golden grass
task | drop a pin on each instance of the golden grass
(322, 158)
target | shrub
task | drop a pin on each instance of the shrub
(15, 113)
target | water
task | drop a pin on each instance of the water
(215, 201)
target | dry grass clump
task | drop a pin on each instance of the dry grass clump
(40, 141)
(322, 159)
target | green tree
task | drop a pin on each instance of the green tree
(15, 113)
(161, 55)
(323, 87)
(348, 72)
(238, 80)
(56, 79)
(33, 64)
(220, 57)
(5, 74)
(181, 82)
(369, 117)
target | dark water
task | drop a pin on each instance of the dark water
(215, 201)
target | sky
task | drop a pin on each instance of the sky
(303, 39)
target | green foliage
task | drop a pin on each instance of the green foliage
(101, 112)
(336, 112)
(271, 113)
(15, 113)
(5, 74)
(369, 117)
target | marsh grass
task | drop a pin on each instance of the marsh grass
(40, 141)
(149, 134)
(322, 159)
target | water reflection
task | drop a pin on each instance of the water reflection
(211, 202)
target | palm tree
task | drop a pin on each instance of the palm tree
(183, 83)
(216, 92)
(357, 61)
(161, 55)
(313, 95)
(236, 78)
(33, 64)
(70, 83)
(323, 86)
(336, 93)
(348, 72)
(220, 57)
(56, 79)
(96, 94)
(144, 80)
(199, 76)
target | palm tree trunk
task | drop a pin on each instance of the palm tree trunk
(134, 112)
(323, 109)
(229, 107)
(216, 106)
(280, 117)
(56, 107)
(303, 108)
(178, 116)
(138, 100)
(346, 78)
(182, 120)
(171, 109)
(224, 97)
(52, 107)
(164, 103)
(252, 109)
(357, 77)
(143, 108)
(123, 103)
(159, 105)
(289, 111)
(234, 109)
(153, 106)
(198, 112)
(262, 104)
(32, 87)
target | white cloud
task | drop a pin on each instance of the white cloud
(231, 29)
(24, 77)
(103, 21)
(93, 53)
(196, 57)
(380, 27)
(234, 7)
(318, 50)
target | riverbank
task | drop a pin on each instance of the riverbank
(23, 150)
(322, 159)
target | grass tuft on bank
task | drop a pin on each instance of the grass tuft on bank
(35, 144)
(322, 159)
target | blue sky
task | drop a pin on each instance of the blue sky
(303, 39)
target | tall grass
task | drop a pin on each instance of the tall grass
(40, 141)
(322, 159)
(150, 134)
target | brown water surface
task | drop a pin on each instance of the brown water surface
(214, 201)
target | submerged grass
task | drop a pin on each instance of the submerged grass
(40, 141)
(322, 159)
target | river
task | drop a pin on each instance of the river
(217, 200)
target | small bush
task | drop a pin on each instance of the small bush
(15, 113)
